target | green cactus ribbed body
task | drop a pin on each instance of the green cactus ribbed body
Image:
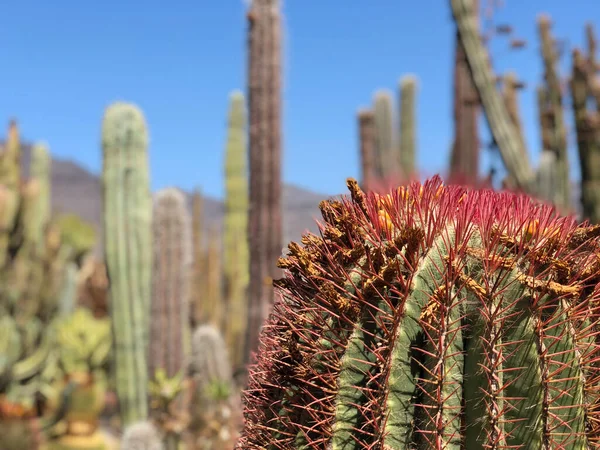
(212, 279)
(432, 318)
(385, 157)
(366, 137)
(235, 228)
(408, 132)
(169, 335)
(588, 132)
(40, 171)
(128, 250)
(197, 269)
(553, 109)
(10, 181)
(503, 130)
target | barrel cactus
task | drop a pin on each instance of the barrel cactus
(432, 317)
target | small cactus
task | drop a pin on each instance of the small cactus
(213, 420)
(141, 436)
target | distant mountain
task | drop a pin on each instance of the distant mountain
(77, 190)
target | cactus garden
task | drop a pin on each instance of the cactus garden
(451, 305)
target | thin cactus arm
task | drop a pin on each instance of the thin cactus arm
(503, 130)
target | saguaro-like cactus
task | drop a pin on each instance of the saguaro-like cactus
(501, 126)
(10, 182)
(264, 108)
(588, 137)
(408, 126)
(128, 251)
(235, 230)
(212, 289)
(197, 270)
(464, 158)
(553, 109)
(432, 317)
(169, 336)
(366, 139)
(386, 162)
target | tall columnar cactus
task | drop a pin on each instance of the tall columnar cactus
(546, 177)
(169, 328)
(511, 86)
(553, 108)
(464, 157)
(408, 127)
(169, 308)
(40, 171)
(509, 92)
(264, 107)
(366, 139)
(235, 229)
(128, 250)
(385, 157)
(32, 269)
(212, 292)
(432, 317)
(502, 129)
(10, 184)
(587, 126)
(197, 270)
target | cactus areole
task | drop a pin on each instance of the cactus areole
(432, 317)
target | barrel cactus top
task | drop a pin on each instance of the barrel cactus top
(432, 317)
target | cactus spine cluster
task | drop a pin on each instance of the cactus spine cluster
(432, 317)
(235, 229)
(264, 108)
(128, 251)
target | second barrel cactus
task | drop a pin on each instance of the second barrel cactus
(432, 318)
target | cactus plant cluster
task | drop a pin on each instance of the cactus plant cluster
(388, 152)
(432, 317)
(36, 258)
(585, 89)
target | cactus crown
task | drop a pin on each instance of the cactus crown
(432, 317)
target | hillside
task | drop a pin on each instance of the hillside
(76, 190)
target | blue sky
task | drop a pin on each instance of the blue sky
(64, 61)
